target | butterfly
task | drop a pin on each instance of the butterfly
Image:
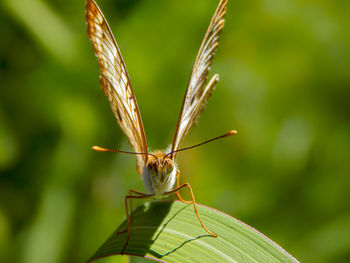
(158, 169)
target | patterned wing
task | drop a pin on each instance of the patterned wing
(197, 94)
(114, 80)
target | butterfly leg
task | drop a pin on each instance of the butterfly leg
(131, 191)
(129, 218)
(194, 205)
(178, 192)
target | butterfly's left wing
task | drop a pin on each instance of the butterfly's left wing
(197, 93)
(115, 82)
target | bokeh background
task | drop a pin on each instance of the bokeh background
(285, 86)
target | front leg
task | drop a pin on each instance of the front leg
(130, 218)
(178, 192)
(194, 204)
(131, 191)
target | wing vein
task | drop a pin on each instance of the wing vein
(115, 81)
(195, 96)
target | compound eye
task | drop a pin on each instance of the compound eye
(152, 166)
(168, 163)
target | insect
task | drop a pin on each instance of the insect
(158, 169)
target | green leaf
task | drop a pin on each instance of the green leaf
(170, 232)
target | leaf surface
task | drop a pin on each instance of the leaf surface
(170, 232)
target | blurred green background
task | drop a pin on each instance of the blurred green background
(285, 86)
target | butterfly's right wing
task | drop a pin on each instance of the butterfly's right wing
(197, 93)
(114, 80)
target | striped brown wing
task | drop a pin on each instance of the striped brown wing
(114, 80)
(197, 93)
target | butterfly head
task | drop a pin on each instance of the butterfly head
(159, 165)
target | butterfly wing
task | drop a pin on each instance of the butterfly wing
(197, 93)
(115, 81)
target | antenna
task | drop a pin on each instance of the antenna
(101, 149)
(230, 133)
